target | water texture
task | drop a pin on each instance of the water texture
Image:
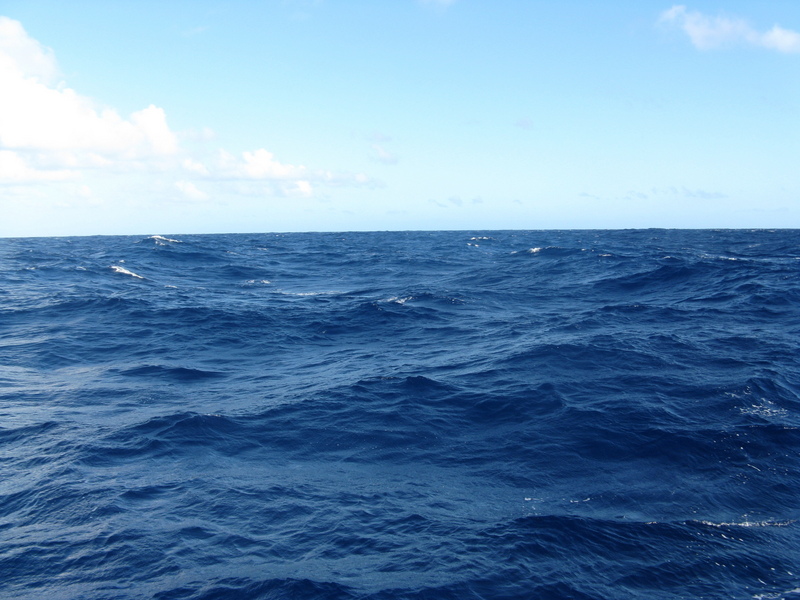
(405, 415)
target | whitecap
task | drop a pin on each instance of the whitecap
(285, 293)
(160, 239)
(767, 523)
(766, 410)
(118, 269)
(778, 595)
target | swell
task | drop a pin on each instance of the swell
(410, 415)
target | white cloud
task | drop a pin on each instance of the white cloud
(194, 166)
(782, 40)
(23, 53)
(261, 164)
(188, 189)
(51, 133)
(14, 168)
(58, 125)
(298, 189)
(713, 32)
(34, 116)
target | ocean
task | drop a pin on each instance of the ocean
(401, 415)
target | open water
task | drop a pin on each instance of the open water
(407, 415)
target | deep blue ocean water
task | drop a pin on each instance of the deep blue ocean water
(406, 415)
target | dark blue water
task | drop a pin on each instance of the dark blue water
(549, 415)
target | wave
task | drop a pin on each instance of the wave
(160, 239)
(184, 374)
(549, 414)
(124, 271)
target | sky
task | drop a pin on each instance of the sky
(217, 116)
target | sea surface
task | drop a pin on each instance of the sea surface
(407, 415)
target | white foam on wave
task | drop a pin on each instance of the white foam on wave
(747, 523)
(766, 409)
(118, 269)
(777, 595)
(160, 239)
(720, 257)
(326, 293)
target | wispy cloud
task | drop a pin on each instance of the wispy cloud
(663, 193)
(455, 201)
(380, 152)
(524, 123)
(383, 155)
(707, 32)
(195, 31)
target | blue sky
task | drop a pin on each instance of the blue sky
(325, 115)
